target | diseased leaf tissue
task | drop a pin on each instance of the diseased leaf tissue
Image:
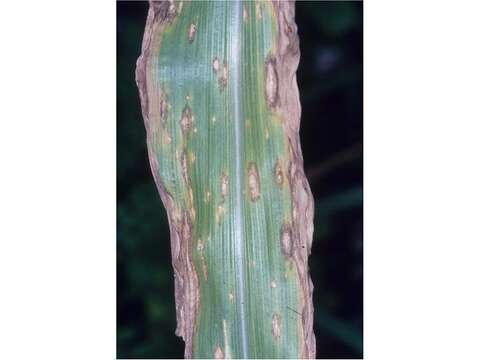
(221, 108)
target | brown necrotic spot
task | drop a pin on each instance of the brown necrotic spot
(253, 182)
(184, 166)
(163, 108)
(271, 83)
(286, 240)
(278, 173)
(224, 185)
(221, 71)
(186, 120)
(191, 32)
(223, 80)
(276, 326)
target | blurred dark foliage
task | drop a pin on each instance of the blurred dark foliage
(330, 79)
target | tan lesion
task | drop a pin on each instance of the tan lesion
(278, 173)
(186, 119)
(253, 181)
(216, 65)
(224, 182)
(201, 251)
(219, 212)
(208, 196)
(223, 80)
(271, 82)
(221, 72)
(286, 240)
(276, 326)
(164, 106)
(184, 166)
(192, 29)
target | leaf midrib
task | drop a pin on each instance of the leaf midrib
(239, 221)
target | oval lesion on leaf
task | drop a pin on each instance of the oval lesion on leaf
(278, 173)
(271, 82)
(223, 80)
(253, 181)
(276, 326)
(286, 240)
(219, 212)
(186, 120)
(208, 196)
(201, 249)
(215, 65)
(224, 181)
(221, 71)
(192, 29)
(164, 107)
(184, 166)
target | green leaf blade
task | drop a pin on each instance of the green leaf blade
(222, 157)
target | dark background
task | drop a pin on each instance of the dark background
(330, 79)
